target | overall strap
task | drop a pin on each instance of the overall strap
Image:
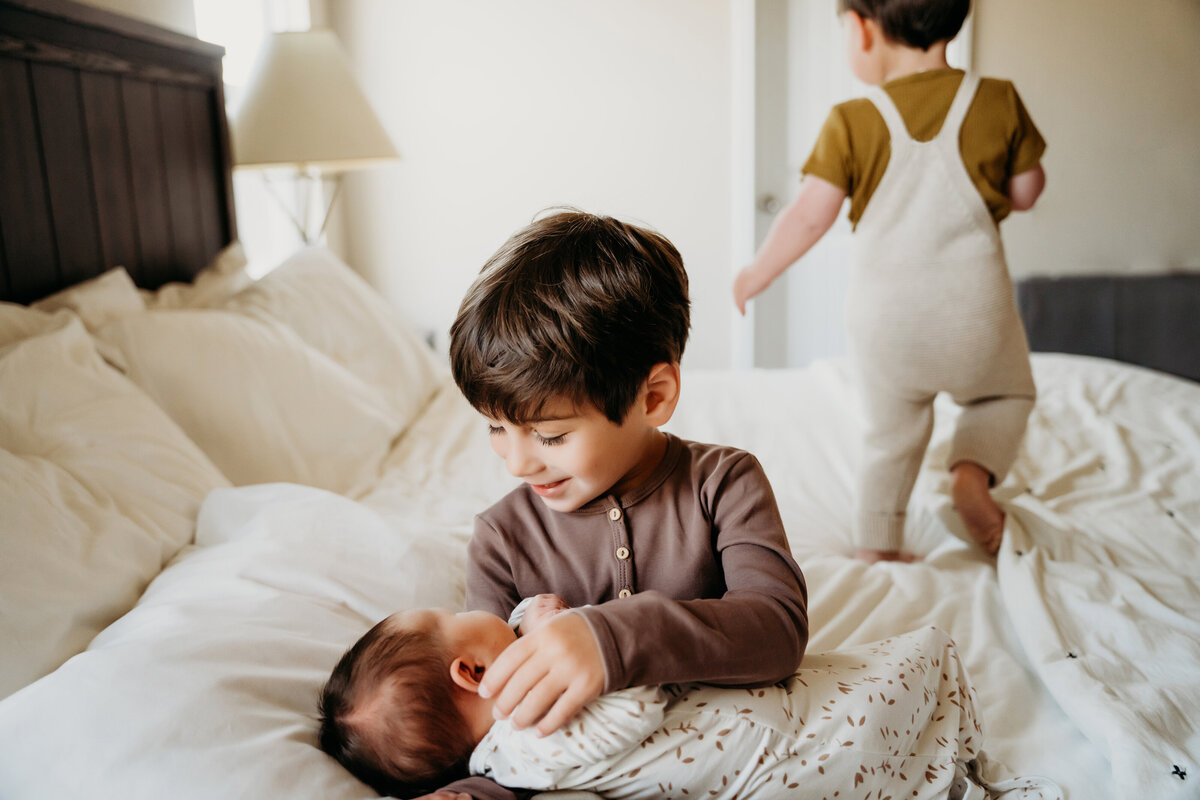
(891, 115)
(958, 109)
(954, 117)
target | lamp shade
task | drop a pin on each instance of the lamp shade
(304, 108)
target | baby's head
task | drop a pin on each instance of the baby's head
(912, 23)
(401, 710)
(572, 334)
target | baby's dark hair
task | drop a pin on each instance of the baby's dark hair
(574, 305)
(388, 714)
(916, 23)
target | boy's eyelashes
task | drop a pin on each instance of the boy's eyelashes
(548, 441)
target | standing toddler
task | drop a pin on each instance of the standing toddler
(932, 160)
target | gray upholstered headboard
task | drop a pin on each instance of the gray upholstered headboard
(1152, 321)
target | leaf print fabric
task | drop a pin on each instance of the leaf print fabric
(889, 718)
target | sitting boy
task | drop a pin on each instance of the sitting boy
(896, 715)
(568, 343)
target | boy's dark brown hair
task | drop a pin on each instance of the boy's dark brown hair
(388, 714)
(574, 305)
(916, 23)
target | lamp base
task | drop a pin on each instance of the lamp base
(308, 181)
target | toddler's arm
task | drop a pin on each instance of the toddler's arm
(795, 230)
(1024, 189)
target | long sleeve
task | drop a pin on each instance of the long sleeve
(690, 575)
(754, 633)
(482, 788)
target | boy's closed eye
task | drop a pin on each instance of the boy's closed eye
(548, 441)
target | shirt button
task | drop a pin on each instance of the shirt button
(624, 593)
(622, 553)
(614, 514)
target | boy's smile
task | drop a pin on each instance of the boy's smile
(547, 489)
(573, 454)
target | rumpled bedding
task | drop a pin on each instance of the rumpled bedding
(1082, 638)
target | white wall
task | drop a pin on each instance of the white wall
(501, 108)
(1113, 85)
(174, 14)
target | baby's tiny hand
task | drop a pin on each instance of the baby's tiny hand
(540, 611)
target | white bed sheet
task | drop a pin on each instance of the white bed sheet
(804, 427)
(207, 688)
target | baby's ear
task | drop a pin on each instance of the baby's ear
(466, 675)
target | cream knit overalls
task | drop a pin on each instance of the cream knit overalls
(931, 308)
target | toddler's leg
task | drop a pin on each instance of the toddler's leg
(985, 445)
(898, 428)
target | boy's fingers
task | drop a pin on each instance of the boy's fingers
(513, 697)
(540, 699)
(502, 669)
(568, 705)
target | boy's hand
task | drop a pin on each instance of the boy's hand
(444, 795)
(545, 678)
(539, 612)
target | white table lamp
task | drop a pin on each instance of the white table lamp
(303, 109)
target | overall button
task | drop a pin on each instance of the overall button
(624, 593)
(622, 553)
(614, 514)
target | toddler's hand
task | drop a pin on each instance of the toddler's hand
(747, 285)
(539, 612)
(444, 795)
(545, 678)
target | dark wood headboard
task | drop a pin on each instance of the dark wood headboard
(114, 149)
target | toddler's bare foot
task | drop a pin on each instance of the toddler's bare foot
(973, 502)
(871, 556)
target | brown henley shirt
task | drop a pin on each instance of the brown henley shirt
(689, 577)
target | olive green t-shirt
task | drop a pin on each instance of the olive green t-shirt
(998, 138)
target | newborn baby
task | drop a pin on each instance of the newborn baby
(896, 716)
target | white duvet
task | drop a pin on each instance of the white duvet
(1082, 640)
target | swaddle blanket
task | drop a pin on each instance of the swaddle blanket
(896, 715)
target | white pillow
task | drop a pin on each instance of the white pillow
(223, 277)
(208, 689)
(335, 311)
(98, 489)
(260, 402)
(98, 300)
(18, 322)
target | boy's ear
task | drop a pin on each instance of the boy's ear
(466, 675)
(861, 30)
(662, 393)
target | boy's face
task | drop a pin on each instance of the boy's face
(575, 454)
